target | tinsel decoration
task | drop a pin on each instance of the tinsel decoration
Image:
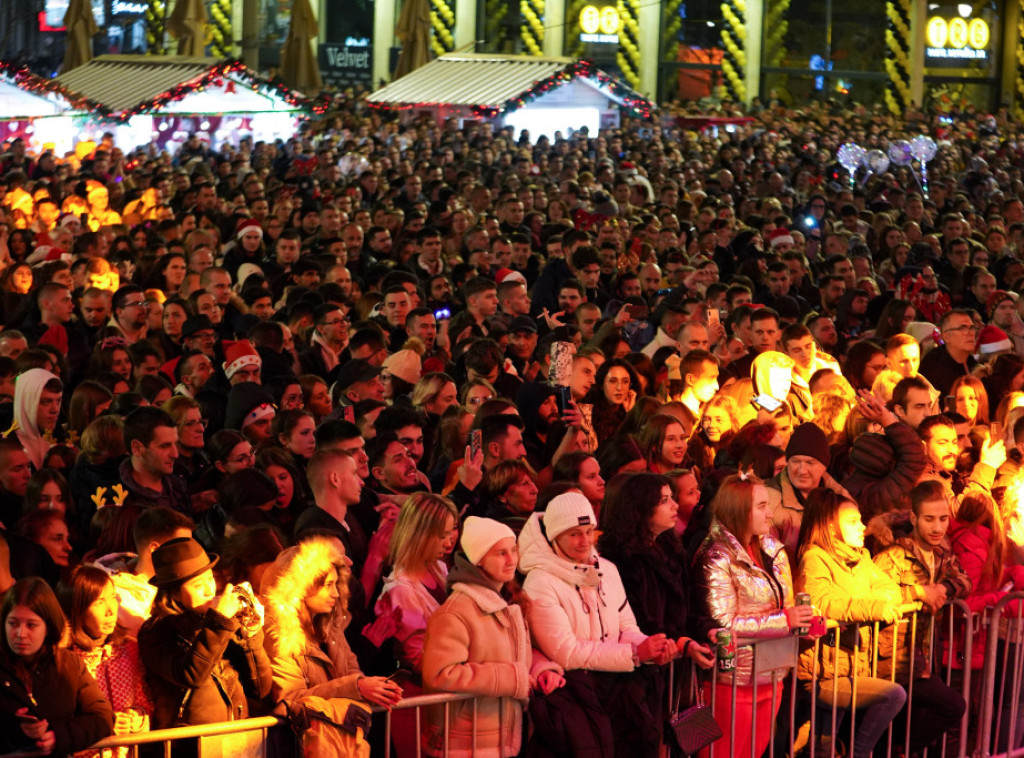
(897, 58)
(442, 22)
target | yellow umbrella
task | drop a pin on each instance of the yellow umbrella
(187, 25)
(81, 28)
(299, 67)
(414, 31)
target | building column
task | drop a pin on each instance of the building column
(384, 19)
(1012, 64)
(465, 25)
(752, 72)
(554, 34)
(649, 21)
(918, 29)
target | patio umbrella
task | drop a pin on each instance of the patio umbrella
(299, 67)
(187, 24)
(414, 31)
(81, 28)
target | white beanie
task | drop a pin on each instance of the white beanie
(568, 511)
(481, 534)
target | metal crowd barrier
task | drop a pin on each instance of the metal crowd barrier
(989, 727)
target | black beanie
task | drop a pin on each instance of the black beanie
(808, 439)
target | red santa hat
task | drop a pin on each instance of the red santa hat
(992, 339)
(509, 275)
(247, 225)
(239, 355)
(780, 236)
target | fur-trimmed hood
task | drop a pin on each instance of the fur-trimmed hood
(290, 580)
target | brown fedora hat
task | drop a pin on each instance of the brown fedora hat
(179, 560)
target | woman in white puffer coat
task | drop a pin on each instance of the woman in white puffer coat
(577, 608)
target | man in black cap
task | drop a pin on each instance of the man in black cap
(357, 380)
(807, 459)
(522, 344)
(198, 333)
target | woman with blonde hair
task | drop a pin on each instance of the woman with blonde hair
(746, 587)
(718, 422)
(306, 595)
(424, 536)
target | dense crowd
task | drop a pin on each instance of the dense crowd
(389, 407)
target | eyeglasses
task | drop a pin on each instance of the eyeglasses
(335, 323)
(479, 400)
(136, 304)
(965, 329)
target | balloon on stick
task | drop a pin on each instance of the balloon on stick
(876, 162)
(850, 155)
(923, 148)
(899, 152)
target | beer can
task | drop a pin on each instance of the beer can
(726, 650)
(802, 598)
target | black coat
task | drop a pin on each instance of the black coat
(202, 661)
(65, 695)
(571, 722)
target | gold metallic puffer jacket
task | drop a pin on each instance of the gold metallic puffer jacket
(743, 597)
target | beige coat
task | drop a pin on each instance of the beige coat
(477, 643)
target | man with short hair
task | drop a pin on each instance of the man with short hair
(913, 401)
(671, 321)
(135, 595)
(699, 371)
(130, 313)
(943, 365)
(192, 372)
(358, 380)
(942, 448)
(408, 426)
(95, 309)
(392, 468)
(481, 303)
(15, 471)
(823, 329)
(330, 337)
(764, 337)
(151, 437)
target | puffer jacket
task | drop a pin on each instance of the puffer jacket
(884, 469)
(735, 593)
(64, 694)
(200, 665)
(478, 643)
(579, 615)
(300, 666)
(846, 587)
(788, 510)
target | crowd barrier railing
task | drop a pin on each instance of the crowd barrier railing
(992, 725)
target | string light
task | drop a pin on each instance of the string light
(631, 100)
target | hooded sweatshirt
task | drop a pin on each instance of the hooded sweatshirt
(27, 391)
(578, 613)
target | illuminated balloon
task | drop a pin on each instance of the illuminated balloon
(923, 148)
(850, 155)
(876, 161)
(899, 152)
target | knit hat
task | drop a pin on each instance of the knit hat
(481, 534)
(248, 402)
(780, 236)
(567, 511)
(808, 439)
(405, 364)
(246, 225)
(995, 299)
(240, 355)
(992, 339)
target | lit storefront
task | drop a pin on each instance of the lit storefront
(892, 52)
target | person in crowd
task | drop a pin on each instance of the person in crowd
(51, 705)
(477, 642)
(663, 442)
(845, 585)
(745, 587)
(715, 428)
(111, 657)
(424, 536)
(578, 611)
(638, 535)
(807, 459)
(37, 399)
(203, 652)
(306, 593)
(511, 487)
